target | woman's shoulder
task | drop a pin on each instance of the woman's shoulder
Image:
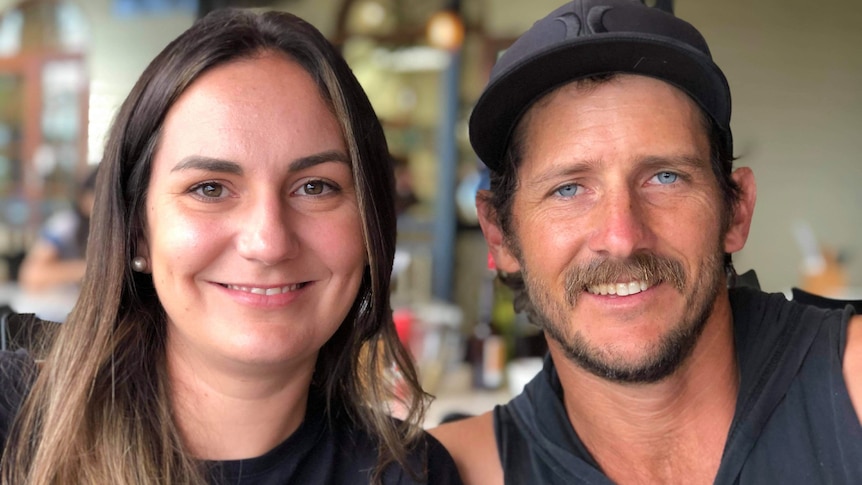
(428, 463)
(427, 459)
(441, 466)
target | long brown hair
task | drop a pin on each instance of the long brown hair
(99, 411)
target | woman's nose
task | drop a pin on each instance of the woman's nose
(266, 232)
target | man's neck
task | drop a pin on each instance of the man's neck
(672, 431)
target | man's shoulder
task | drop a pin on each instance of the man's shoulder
(472, 444)
(853, 363)
(760, 317)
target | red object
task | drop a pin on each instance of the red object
(403, 319)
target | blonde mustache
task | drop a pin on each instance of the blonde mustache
(649, 268)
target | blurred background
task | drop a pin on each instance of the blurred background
(793, 66)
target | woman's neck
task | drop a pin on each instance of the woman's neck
(236, 413)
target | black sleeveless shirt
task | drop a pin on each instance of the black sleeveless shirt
(794, 421)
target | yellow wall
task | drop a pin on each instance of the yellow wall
(795, 72)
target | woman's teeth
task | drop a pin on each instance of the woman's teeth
(265, 291)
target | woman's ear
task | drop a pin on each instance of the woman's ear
(142, 249)
(141, 259)
(743, 210)
(494, 235)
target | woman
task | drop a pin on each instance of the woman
(234, 324)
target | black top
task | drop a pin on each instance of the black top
(317, 453)
(17, 372)
(794, 421)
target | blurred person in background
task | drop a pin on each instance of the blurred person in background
(405, 195)
(234, 323)
(57, 258)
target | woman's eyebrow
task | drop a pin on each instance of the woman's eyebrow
(210, 164)
(311, 160)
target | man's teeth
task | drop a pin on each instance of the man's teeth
(619, 289)
(265, 291)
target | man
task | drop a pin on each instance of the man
(614, 209)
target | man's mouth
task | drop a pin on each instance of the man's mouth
(266, 291)
(619, 289)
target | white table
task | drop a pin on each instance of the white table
(54, 304)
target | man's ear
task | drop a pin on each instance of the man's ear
(743, 210)
(503, 257)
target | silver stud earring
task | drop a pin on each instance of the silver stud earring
(139, 264)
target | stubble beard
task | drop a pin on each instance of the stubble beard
(658, 360)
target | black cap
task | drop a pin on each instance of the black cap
(590, 37)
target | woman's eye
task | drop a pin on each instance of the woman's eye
(315, 187)
(210, 190)
(569, 190)
(666, 177)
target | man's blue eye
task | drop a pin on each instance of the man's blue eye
(667, 177)
(568, 190)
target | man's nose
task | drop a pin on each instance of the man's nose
(266, 231)
(621, 225)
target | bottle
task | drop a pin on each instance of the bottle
(487, 345)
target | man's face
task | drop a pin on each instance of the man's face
(617, 226)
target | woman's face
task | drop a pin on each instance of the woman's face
(253, 231)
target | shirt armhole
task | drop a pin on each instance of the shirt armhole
(851, 339)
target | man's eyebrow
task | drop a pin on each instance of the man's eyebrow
(690, 161)
(210, 164)
(566, 170)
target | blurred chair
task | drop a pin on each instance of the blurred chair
(25, 331)
(802, 296)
